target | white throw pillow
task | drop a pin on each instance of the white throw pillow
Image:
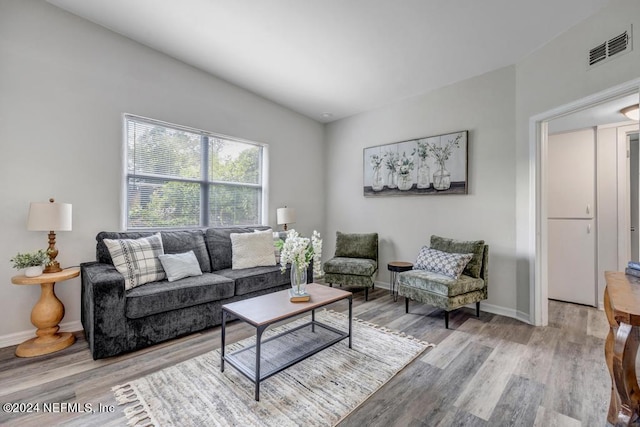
(137, 259)
(449, 264)
(252, 250)
(179, 266)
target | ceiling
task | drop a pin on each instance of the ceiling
(340, 57)
(604, 113)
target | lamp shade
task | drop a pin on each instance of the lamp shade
(49, 216)
(285, 216)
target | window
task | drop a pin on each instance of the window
(177, 177)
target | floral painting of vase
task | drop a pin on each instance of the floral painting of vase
(422, 166)
(377, 182)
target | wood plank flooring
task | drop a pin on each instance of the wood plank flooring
(487, 371)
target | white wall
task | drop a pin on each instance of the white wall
(555, 75)
(483, 105)
(64, 84)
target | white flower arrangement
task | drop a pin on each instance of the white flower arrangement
(441, 154)
(391, 161)
(405, 164)
(300, 251)
(376, 161)
(423, 149)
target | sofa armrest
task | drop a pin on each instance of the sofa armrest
(103, 308)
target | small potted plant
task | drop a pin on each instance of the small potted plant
(32, 262)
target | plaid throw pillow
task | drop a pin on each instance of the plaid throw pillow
(449, 264)
(137, 259)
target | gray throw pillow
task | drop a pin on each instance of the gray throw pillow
(475, 247)
(179, 266)
(449, 264)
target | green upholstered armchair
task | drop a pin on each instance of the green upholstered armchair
(355, 262)
(445, 292)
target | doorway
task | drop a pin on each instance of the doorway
(539, 230)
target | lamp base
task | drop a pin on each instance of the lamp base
(54, 267)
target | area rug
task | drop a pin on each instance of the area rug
(319, 391)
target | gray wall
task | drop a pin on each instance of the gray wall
(64, 85)
(483, 105)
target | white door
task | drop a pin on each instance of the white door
(571, 174)
(571, 221)
(571, 263)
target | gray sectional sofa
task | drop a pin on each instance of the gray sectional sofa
(116, 320)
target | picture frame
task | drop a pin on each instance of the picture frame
(429, 165)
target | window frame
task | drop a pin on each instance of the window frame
(204, 180)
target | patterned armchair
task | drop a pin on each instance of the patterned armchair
(355, 262)
(435, 284)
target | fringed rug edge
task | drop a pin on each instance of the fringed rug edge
(138, 414)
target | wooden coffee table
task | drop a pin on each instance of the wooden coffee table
(265, 310)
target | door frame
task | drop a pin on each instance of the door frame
(538, 230)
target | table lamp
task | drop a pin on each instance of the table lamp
(285, 216)
(50, 217)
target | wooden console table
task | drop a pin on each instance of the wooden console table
(622, 306)
(46, 315)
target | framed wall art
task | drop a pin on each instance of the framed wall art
(423, 166)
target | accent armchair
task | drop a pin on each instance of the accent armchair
(449, 275)
(355, 262)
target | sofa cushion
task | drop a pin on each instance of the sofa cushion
(179, 266)
(449, 264)
(219, 244)
(353, 266)
(475, 247)
(254, 279)
(353, 245)
(162, 296)
(177, 242)
(174, 242)
(250, 250)
(137, 259)
(439, 283)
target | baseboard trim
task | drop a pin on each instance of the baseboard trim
(20, 337)
(382, 285)
(502, 311)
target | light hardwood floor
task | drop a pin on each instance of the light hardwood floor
(487, 371)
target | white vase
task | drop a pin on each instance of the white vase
(378, 182)
(33, 271)
(424, 174)
(392, 180)
(441, 179)
(404, 182)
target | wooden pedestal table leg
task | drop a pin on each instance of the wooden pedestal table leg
(614, 403)
(45, 316)
(625, 349)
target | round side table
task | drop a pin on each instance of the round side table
(46, 315)
(396, 267)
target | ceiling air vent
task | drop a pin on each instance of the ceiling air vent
(597, 54)
(614, 46)
(618, 44)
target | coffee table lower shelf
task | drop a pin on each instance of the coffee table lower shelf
(323, 335)
(261, 374)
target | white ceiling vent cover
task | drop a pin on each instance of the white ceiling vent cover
(617, 45)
